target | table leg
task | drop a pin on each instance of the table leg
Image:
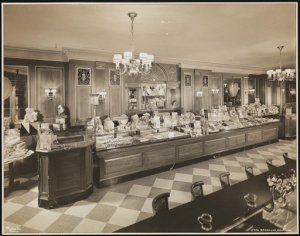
(13, 185)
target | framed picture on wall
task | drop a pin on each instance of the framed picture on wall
(84, 76)
(205, 80)
(114, 79)
(187, 79)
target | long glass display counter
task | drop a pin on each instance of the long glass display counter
(129, 153)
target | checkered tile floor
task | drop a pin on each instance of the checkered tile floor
(109, 209)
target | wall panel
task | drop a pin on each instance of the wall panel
(32, 64)
(115, 105)
(187, 90)
(101, 83)
(79, 100)
(215, 83)
(197, 87)
(49, 77)
(83, 105)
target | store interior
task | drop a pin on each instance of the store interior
(149, 118)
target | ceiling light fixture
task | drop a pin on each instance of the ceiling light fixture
(133, 66)
(279, 75)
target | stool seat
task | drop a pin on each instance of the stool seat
(269, 164)
(225, 183)
(160, 203)
(197, 189)
(249, 171)
(286, 158)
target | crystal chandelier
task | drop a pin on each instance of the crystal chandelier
(279, 75)
(132, 66)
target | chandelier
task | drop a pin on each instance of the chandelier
(132, 66)
(279, 75)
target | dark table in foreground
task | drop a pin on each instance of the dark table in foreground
(224, 205)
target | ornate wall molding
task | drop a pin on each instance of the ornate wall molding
(158, 73)
(69, 53)
(34, 53)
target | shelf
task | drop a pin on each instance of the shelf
(149, 110)
(277, 114)
(154, 96)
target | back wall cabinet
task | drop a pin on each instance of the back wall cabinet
(46, 78)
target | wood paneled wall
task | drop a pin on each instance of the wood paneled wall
(249, 83)
(34, 98)
(101, 83)
(215, 83)
(76, 99)
(205, 90)
(79, 99)
(115, 94)
(198, 101)
(46, 78)
(208, 99)
(187, 91)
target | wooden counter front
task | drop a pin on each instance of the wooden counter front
(119, 162)
(65, 176)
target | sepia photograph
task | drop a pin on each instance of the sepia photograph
(149, 118)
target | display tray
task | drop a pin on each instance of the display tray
(216, 131)
(146, 136)
(129, 138)
(139, 111)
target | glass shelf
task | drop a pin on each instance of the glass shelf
(153, 96)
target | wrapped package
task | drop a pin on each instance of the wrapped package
(20, 146)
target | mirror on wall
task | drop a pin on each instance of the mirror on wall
(232, 91)
(15, 93)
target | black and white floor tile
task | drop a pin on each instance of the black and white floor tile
(111, 208)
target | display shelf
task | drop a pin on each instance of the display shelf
(154, 95)
(130, 112)
(266, 115)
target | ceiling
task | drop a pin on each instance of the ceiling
(230, 34)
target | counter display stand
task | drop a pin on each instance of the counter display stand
(65, 175)
(14, 150)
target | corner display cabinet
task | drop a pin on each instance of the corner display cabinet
(65, 175)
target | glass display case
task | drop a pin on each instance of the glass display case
(153, 96)
(173, 91)
(141, 130)
(132, 99)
